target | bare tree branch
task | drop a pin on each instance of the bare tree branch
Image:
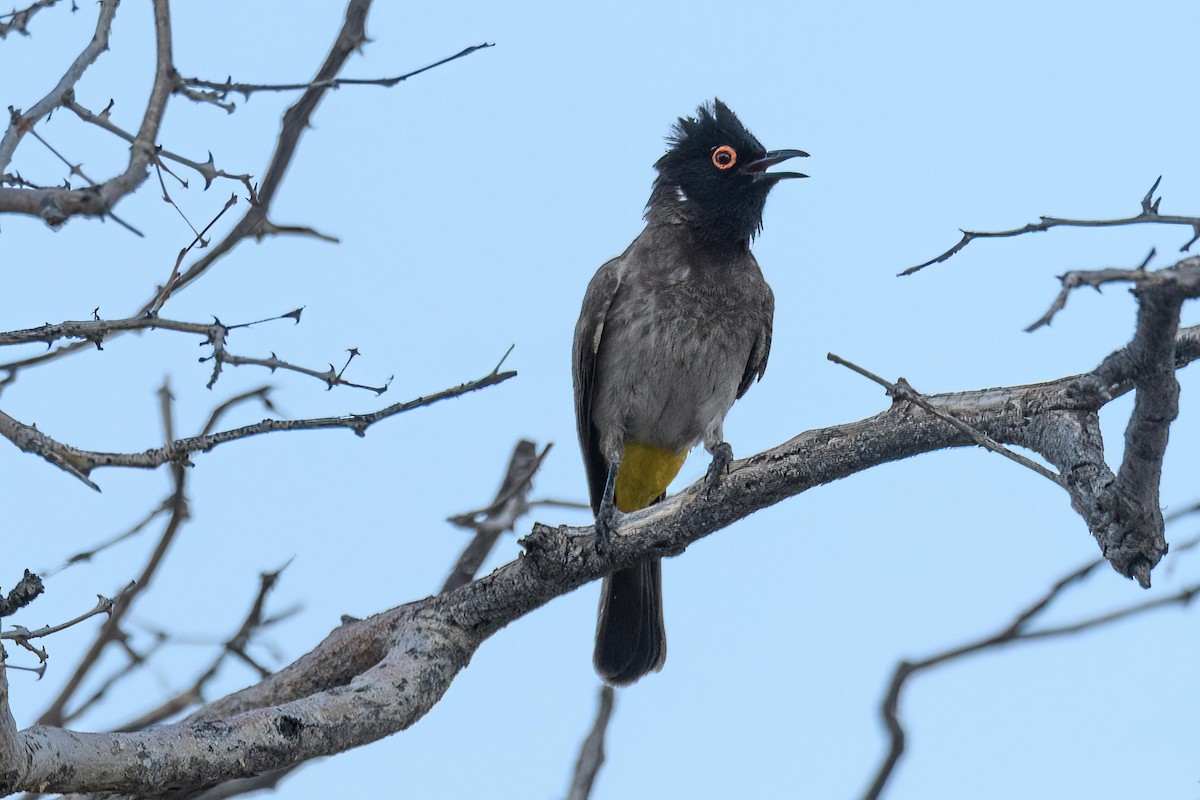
(192, 695)
(236, 646)
(591, 754)
(510, 504)
(77, 169)
(21, 595)
(255, 222)
(1148, 214)
(22, 123)
(84, 556)
(56, 714)
(207, 169)
(902, 390)
(18, 21)
(56, 206)
(80, 463)
(373, 677)
(10, 740)
(296, 120)
(97, 331)
(104, 605)
(1015, 632)
(222, 90)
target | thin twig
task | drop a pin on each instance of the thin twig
(97, 331)
(591, 752)
(18, 20)
(1014, 632)
(56, 714)
(77, 169)
(254, 622)
(221, 90)
(80, 463)
(254, 223)
(207, 169)
(23, 122)
(1148, 214)
(56, 206)
(104, 605)
(501, 515)
(901, 390)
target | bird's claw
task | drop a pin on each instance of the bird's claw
(722, 457)
(604, 529)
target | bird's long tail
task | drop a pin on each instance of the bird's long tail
(631, 639)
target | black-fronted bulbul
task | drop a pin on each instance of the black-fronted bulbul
(672, 331)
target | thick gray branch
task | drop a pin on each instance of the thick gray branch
(373, 677)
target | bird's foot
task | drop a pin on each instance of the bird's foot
(606, 516)
(605, 524)
(722, 457)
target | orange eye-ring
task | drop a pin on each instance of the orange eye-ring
(724, 157)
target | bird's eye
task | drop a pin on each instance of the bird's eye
(724, 157)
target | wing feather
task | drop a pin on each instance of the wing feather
(588, 333)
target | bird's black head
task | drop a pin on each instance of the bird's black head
(714, 176)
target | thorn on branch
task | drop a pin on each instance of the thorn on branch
(1149, 204)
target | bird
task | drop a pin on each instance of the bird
(671, 333)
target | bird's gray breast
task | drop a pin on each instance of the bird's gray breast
(674, 347)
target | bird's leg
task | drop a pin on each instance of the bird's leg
(722, 457)
(607, 513)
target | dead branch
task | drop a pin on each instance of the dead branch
(235, 646)
(221, 91)
(255, 223)
(22, 123)
(903, 391)
(501, 515)
(1015, 632)
(591, 753)
(104, 605)
(112, 631)
(207, 169)
(56, 206)
(80, 463)
(373, 677)
(1147, 214)
(18, 21)
(508, 505)
(97, 331)
(21, 595)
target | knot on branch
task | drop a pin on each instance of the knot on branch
(24, 593)
(1134, 542)
(51, 211)
(547, 549)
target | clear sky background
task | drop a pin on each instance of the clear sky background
(473, 204)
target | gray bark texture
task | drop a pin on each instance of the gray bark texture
(371, 678)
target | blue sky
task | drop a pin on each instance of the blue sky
(473, 204)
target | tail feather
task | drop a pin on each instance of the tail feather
(631, 639)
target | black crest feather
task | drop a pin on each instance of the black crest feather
(714, 122)
(722, 205)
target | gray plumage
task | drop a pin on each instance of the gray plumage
(671, 333)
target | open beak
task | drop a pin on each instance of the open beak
(772, 158)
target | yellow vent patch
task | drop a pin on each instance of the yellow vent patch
(644, 474)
